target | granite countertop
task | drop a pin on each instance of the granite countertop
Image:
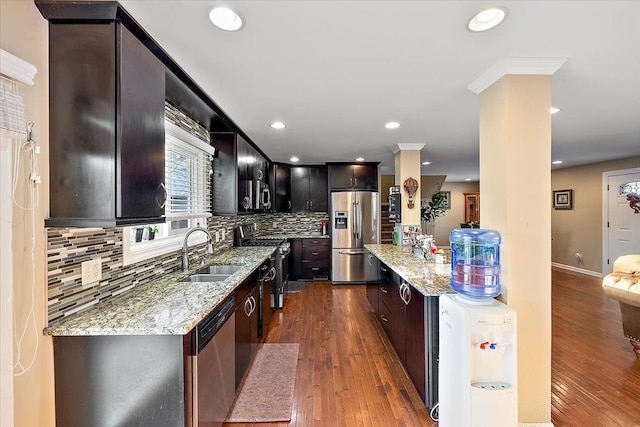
(166, 306)
(429, 278)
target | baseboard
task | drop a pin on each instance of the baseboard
(576, 269)
(535, 424)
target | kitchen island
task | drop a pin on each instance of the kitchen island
(405, 302)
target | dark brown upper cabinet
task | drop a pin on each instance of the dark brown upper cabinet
(350, 176)
(281, 187)
(309, 189)
(106, 107)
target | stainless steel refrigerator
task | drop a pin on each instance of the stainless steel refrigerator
(354, 222)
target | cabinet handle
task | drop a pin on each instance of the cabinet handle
(385, 290)
(350, 182)
(247, 307)
(166, 195)
(289, 202)
(273, 273)
(315, 268)
(315, 253)
(383, 269)
(311, 204)
(356, 181)
(384, 318)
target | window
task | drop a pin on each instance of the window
(188, 172)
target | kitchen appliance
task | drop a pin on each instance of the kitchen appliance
(354, 222)
(245, 236)
(212, 368)
(477, 365)
(258, 195)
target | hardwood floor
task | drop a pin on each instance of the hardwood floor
(595, 376)
(349, 375)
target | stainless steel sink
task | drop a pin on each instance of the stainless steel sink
(214, 273)
(227, 269)
(205, 278)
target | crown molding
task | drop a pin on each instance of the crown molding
(16, 68)
(407, 146)
(528, 66)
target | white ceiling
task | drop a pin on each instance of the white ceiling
(336, 71)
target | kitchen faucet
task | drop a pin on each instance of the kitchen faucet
(185, 247)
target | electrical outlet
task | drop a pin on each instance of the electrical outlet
(224, 233)
(578, 256)
(91, 271)
(217, 236)
(275, 224)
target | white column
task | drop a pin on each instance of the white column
(407, 165)
(515, 185)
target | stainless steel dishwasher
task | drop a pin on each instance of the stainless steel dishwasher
(211, 368)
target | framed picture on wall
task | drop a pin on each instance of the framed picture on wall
(563, 199)
(447, 198)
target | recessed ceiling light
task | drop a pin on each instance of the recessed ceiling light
(226, 19)
(467, 179)
(392, 125)
(360, 159)
(487, 19)
(294, 159)
(556, 162)
(426, 163)
(554, 110)
(277, 125)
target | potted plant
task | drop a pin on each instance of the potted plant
(435, 208)
(153, 229)
(139, 232)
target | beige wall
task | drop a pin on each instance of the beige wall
(407, 165)
(580, 229)
(24, 33)
(453, 217)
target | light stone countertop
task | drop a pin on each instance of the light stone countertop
(166, 306)
(429, 278)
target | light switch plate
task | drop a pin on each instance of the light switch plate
(91, 271)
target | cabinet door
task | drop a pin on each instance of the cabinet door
(398, 333)
(372, 296)
(140, 137)
(243, 337)
(415, 341)
(225, 184)
(244, 157)
(299, 189)
(318, 190)
(471, 207)
(82, 121)
(341, 177)
(295, 259)
(365, 177)
(282, 190)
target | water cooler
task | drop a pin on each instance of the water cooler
(477, 371)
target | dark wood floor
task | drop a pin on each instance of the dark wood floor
(349, 375)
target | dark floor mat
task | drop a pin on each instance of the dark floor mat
(295, 286)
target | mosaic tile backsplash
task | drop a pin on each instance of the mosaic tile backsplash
(68, 248)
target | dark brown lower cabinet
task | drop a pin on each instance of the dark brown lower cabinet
(411, 323)
(247, 298)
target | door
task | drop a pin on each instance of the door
(343, 208)
(623, 231)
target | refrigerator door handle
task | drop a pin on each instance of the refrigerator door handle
(355, 219)
(356, 252)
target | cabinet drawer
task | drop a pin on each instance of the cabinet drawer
(384, 292)
(311, 269)
(385, 319)
(315, 253)
(315, 242)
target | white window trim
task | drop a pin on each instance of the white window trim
(143, 251)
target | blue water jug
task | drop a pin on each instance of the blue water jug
(475, 262)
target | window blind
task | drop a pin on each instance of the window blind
(11, 107)
(188, 174)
